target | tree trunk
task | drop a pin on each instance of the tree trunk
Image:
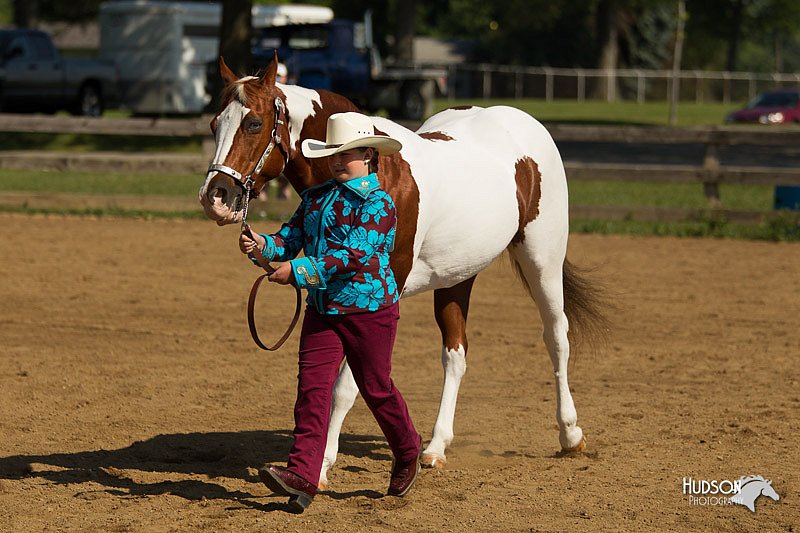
(234, 34)
(675, 87)
(778, 45)
(405, 28)
(608, 32)
(26, 13)
(735, 35)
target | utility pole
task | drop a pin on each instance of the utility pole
(676, 65)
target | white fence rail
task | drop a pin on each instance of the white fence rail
(579, 84)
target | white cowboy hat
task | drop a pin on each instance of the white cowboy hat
(346, 131)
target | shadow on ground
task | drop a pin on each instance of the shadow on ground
(214, 455)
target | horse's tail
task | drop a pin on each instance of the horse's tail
(584, 305)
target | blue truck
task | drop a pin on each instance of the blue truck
(340, 56)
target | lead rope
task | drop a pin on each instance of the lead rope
(251, 301)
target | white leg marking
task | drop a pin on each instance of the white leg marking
(545, 278)
(345, 392)
(455, 365)
(550, 300)
(555, 338)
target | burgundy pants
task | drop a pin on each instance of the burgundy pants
(367, 340)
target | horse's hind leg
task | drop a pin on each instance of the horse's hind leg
(544, 277)
(345, 392)
(450, 308)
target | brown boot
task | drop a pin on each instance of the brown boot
(281, 481)
(404, 474)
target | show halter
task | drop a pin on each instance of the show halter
(247, 183)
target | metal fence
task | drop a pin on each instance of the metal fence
(638, 85)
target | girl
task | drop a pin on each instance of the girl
(346, 229)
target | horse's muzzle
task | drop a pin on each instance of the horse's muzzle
(222, 198)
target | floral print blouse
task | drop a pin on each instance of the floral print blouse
(346, 231)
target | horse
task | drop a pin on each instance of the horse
(469, 184)
(751, 488)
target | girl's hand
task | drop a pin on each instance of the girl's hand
(251, 243)
(283, 274)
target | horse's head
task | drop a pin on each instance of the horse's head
(769, 491)
(252, 143)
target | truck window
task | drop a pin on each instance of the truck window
(19, 43)
(268, 39)
(42, 49)
(308, 38)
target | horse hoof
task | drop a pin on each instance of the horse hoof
(433, 460)
(577, 448)
(322, 485)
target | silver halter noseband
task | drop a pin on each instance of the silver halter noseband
(248, 181)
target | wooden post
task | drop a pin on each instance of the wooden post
(711, 168)
(548, 84)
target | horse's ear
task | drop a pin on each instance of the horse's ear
(227, 74)
(268, 79)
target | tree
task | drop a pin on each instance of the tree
(732, 27)
(26, 13)
(405, 20)
(234, 34)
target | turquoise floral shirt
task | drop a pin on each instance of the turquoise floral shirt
(345, 231)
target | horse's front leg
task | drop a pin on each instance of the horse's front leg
(345, 392)
(450, 308)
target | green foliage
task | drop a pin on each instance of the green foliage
(6, 12)
(564, 33)
(759, 32)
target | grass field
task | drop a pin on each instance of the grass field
(749, 197)
(600, 193)
(593, 112)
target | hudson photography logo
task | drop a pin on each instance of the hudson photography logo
(743, 491)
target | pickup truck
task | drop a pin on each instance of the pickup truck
(340, 56)
(34, 77)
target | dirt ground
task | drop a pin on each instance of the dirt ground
(132, 398)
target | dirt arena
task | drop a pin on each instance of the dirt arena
(132, 398)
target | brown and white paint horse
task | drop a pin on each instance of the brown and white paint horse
(468, 185)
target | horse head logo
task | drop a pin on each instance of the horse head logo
(751, 488)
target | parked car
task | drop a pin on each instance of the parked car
(34, 77)
(781, 106)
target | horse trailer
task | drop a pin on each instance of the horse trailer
(162, 48)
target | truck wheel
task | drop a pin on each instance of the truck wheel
(416, 101)
(90, 101)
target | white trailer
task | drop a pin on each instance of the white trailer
(162, 48)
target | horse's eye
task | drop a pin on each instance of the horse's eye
(253, 126)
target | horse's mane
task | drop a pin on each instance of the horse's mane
(238, 90)
(745, 480)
